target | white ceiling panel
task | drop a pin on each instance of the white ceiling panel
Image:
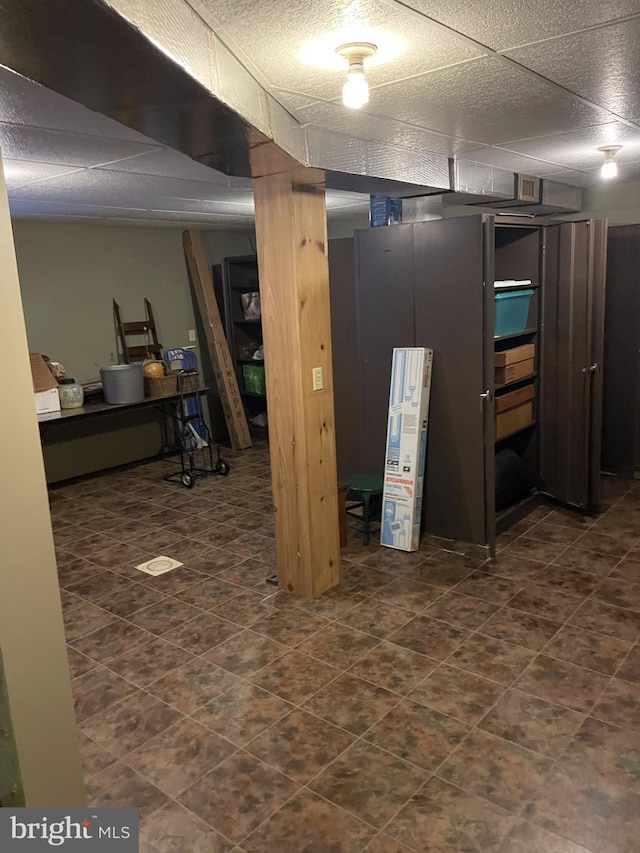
(19, 142)
(501, 24)
(25, 102)
(19, 173)
(119, 188)
(579, 149)
(293, 100)
(367, 126)
(577, 179)
(273, 34)
(104, 212)
(164, 162)
(602, 65)
(483, 100)
(513, 162)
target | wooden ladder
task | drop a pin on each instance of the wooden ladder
(138, 328)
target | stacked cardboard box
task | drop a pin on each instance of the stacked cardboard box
(514, 410)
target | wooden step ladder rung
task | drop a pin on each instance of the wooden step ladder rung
(137, 327)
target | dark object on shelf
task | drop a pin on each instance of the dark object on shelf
(139, 328)
(513, 481)
(238, 295)
(192, 435)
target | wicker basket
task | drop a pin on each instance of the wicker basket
(161, 386)
(188, 382)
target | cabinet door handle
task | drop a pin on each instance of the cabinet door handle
(592, 369)
(485, 397)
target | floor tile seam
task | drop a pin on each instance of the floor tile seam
(356, 737)
(113, 706)
(518, 812)
(425, 773)
(543, 650)
(176, 802)
(513, 817)
(593, 597)
(112, 657)
(129, 755)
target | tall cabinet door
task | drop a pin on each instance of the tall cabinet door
(454, 274)
(571, 363)
(385, 312)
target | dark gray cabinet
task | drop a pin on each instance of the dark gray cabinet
(431, 284)
(621, 398)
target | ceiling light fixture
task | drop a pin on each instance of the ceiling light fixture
(355, 92)
(609, 167)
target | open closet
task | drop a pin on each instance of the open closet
(433, 284)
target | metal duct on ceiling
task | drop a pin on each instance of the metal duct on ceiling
(158, 68)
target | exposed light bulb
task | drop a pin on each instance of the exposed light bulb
(609, 167)
(355, 92)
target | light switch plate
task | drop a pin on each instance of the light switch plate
(318, 384)
(192, 334)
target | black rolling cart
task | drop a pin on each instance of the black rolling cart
(193, 438)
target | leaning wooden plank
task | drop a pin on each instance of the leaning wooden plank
(216, 341)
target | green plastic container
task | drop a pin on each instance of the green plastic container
(512, 310)
(253, 376)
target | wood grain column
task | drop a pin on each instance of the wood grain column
(294, 287)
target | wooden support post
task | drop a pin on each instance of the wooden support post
(294, 290)
(216, 341)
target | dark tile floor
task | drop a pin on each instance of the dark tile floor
(433, 702)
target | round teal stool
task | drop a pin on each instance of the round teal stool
(364, 489)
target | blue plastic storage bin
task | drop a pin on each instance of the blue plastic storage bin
(512, 310)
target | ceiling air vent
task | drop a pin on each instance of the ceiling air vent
(527, 189)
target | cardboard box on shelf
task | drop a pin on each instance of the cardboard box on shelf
(406, 448)
(515, 398)
(509, 356)
(513, 419)
(47, 401)
(513, 372)
(45, 385)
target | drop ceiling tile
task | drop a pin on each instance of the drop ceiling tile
(366, 126)
(18, 142)
(579, 149)
(602, 65)
(118, 188)
(508, 160)
(20, 173)
(274, 33)
(484, 100)
(25, 102)
(49, 209)
(167, 163)
(501, 24)
(293, 100)
(578, 179)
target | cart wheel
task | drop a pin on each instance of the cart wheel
(188, 480)
(222, 467)
(165, 450)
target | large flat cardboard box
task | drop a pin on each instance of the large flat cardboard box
(513, 419)
(406, 449)
(515, 398)
(515, 371)
(509, 356)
